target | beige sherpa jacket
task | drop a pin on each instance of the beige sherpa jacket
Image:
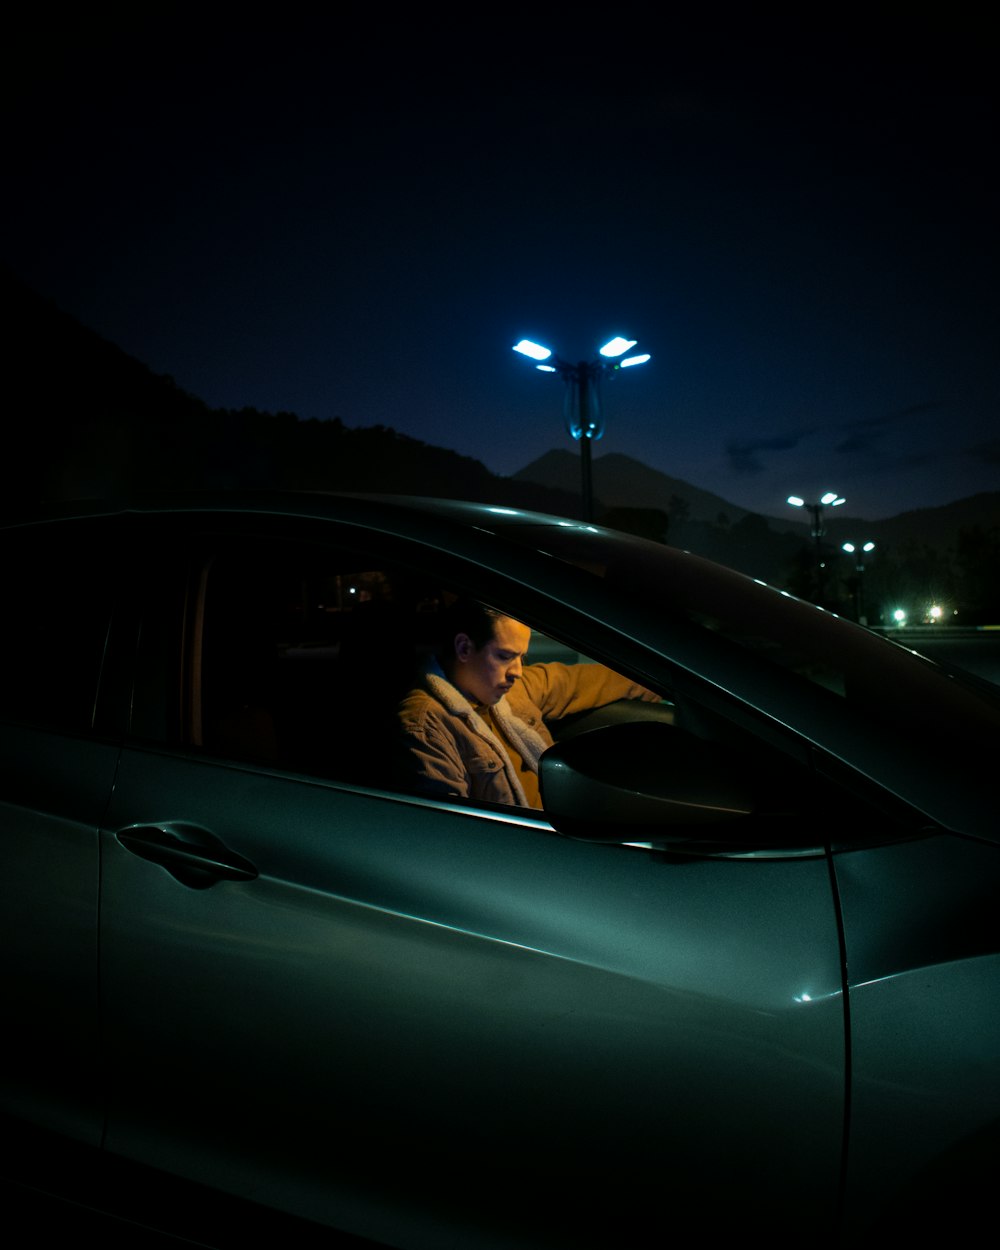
(447, 750)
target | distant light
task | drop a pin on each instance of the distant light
(617, 346)
(848, 547)
(796, 502)
(546, 368)
(899, 616)
(633, 360)
(935, 612)
(868, 547)
(534, 350)
(832, 500)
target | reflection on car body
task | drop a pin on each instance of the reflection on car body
(743, 966)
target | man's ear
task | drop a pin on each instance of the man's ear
(464, 647)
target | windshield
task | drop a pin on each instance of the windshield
(888, 682)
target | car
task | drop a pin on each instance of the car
(739, 975)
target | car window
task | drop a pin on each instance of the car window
(58, 596)
(546, 649)
(801, 643)
(295, 656)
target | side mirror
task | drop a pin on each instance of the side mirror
(643, 782)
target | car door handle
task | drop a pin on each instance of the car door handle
(193, 856)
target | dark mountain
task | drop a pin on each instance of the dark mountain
(632, 496)
(931, 527)
(82, 417)
(621, 482)
(85, 420)
(948, 553)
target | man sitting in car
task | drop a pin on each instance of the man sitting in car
(475, 726)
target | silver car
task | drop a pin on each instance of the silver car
(739, 976)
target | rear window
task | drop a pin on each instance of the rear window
(57, 600)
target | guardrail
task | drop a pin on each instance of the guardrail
(944, 631)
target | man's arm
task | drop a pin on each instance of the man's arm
(565, 689)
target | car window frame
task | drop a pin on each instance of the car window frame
(190, 545)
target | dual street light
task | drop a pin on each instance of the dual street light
(830, 500)
(859, 553)
(582, 406)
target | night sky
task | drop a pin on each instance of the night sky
(799, 222)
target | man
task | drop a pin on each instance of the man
(475, 727)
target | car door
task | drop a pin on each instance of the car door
(58, 754)
(425, 1021)
(922, 946)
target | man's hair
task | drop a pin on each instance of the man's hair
(467, 616)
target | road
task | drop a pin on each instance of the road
(977, 650)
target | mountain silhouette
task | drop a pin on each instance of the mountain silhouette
(622, 482)
(85, 420)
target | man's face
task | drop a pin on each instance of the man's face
(485, 674)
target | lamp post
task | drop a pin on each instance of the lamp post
(859, 553)
(830, 500)
(582, 405)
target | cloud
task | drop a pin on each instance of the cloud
(863, 433)
(860, 436)
(889, 418)
(743, 457)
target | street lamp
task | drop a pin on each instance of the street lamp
(859, 554)
(582, 405)
(830, 500)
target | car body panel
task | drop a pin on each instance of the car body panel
(54, 795)
(491, 1015)
(925, 1030)
(434, 1022)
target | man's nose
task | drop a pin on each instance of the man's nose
(514, 670)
